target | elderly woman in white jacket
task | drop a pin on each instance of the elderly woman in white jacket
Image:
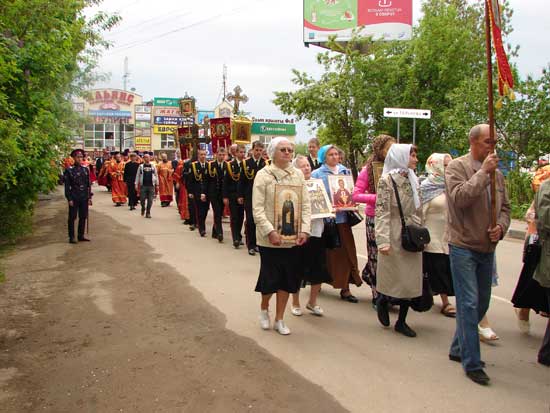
(399, 271)
(279, 261)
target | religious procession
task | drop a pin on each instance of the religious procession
(364, 225)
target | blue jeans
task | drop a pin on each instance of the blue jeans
(472, 275)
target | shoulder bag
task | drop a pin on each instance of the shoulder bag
(414, 238)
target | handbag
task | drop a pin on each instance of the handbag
(414, 238)
(354, 218)
(331, 238)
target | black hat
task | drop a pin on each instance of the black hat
(136, 152)
(114, 153)
(126, 152)
(76, 152)
(151, 153)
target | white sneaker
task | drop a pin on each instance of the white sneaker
(316, 310)
(297, 311)
(264, 320)
(281, 328)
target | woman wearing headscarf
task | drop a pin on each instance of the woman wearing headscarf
(529, 295)
(279, 262)
(341, 261)
(365, 193)
(399, 271)
(313, 254)
(435, 258)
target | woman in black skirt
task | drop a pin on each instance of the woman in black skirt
(313, 256)
(435, 258)
(279, 257)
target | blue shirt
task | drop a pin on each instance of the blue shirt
(322, 173)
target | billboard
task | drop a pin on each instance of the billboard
(381, 19)
(170, 102)
(274, 129)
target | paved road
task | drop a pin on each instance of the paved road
(347, 352)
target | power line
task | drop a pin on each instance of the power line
(144, 23)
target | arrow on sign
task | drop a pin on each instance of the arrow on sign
(407, 113)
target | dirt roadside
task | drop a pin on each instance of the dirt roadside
(104, 327)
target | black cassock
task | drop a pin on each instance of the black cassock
(288, 219)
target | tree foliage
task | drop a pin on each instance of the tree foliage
(48, 51)
(443, 68)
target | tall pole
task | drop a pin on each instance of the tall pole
(414, 131)
(398, 131)
(490, 107)
(120, 136)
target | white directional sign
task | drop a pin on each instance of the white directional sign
(407, 113)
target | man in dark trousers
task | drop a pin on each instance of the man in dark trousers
(187, 178)
(215, 194)
(199, 189)
(78, 191)
(231, 178)
(130, 171)
(175, 163)
(250, 168)
(313, 148)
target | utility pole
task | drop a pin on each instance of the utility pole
(126, 74)
(224, 82)
(120, 136)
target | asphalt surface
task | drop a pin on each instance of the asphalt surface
(347, 352)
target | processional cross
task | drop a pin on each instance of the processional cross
(237, 98)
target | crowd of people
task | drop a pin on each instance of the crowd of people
(434, 237)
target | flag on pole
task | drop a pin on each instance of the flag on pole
(505, 78)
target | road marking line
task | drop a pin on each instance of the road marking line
(496, 297)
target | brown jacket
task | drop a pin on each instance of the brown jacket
(470, 207)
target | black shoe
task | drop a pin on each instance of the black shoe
(186, 222)
(83, 239)
(148, 215)
(404, 329)
(543, 362)
(203, 233)
(349, 298)
(251, 251)
(479, 377)
(458, 359)
(257, 249)
(72, 241)
(118, 204)
(142, 211)
(192, 228)
(236, 244)
(382, 311)
(220, 238)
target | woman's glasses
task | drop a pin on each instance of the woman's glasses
(287, 150)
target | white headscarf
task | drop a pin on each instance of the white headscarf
(272, 147)
(397, 161)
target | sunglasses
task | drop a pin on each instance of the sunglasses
(287, 150)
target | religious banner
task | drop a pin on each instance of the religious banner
(505, 77)
(220, 131)
(341, 188)
(241, 130)
(187, 107)
(288, 212)
(321, 206)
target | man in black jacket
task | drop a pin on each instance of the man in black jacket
(231, 197)
(215, 191)
(130, 171)
(199, 190)
(250, 168)
(188, 179)
(78, 191)
(313, 148)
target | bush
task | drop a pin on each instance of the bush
(520, 193)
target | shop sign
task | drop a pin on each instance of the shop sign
(110, 99)
(143, 116)
(173, 102)
(168, 120)
(110, 113)
(142, 140)
(143, 109)
(167, 111)
(143, 124)
(170, 129)
(143, 131)
(274, 129)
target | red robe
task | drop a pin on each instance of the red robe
(119, 191)
(182, 198)
(166, 181)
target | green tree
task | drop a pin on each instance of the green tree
(48, 50)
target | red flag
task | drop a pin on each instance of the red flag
(505, 78)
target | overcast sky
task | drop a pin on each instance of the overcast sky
(178, 46)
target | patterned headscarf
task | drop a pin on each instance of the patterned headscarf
(378, 145)
(397, 161)
(541, 175)
(434, 185)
